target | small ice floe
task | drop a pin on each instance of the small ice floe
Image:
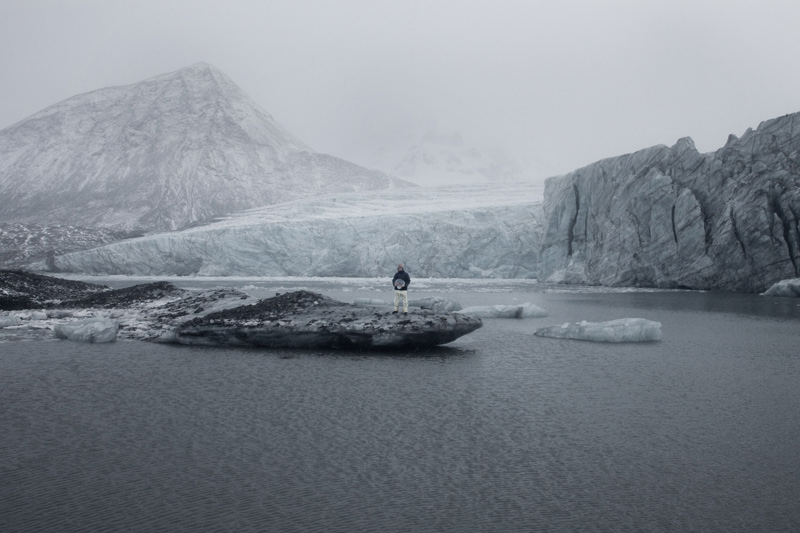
(438, 304)
(10, 320)
(366, 302)
(785, 287)
(90, 330)
(526, 310)
(621, 330)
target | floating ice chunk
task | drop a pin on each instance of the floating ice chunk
(38, 315)
(11, 320)
(60, 313)
(89, 330)
(364, 302)
(526, 310)
(621, 330)
(786, 287)
(438, 304)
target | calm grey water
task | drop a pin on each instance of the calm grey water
(498, 431)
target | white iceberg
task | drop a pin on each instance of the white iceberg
(621, 330)
(11, 320)
(438, 304)
(92, 330)
(785, 287)
(526, 310)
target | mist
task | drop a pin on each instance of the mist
(553, 85)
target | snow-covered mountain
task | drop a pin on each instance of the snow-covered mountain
(432, 159)
(161, 154)
(473, 231)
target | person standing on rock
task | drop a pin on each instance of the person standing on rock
(401, 281)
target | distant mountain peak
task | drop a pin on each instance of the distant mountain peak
(159, 154)
(434, 158)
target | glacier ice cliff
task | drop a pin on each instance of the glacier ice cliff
(466, 232)
(672, 217)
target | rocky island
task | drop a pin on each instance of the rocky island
(305, 319)
(163, 312)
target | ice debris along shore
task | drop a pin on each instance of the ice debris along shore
(91, 330)
(621, 330)
(305, 319)
(786, 287)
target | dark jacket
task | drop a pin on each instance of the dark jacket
(401, 274)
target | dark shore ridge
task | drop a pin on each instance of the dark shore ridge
(305, 319)
(20, 289)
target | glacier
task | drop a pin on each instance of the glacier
(473, 231)
(620, 330)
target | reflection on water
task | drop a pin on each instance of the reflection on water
(498, 431)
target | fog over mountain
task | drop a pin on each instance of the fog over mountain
(431, 158)
(161, 154)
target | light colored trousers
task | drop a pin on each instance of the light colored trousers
(401, 296)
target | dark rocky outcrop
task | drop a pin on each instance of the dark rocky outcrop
(20, 289)
(125, 297)
(306, 319)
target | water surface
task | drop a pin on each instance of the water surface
(497, 431)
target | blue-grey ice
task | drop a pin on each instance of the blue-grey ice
(526, 310)
(620, 330)
(438, 304)
(11, 320)
(92, 330)
(786, 287)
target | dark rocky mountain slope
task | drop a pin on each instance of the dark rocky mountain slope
(673, 217)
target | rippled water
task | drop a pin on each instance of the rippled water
(498, 431)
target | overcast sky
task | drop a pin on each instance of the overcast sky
(557, 84)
